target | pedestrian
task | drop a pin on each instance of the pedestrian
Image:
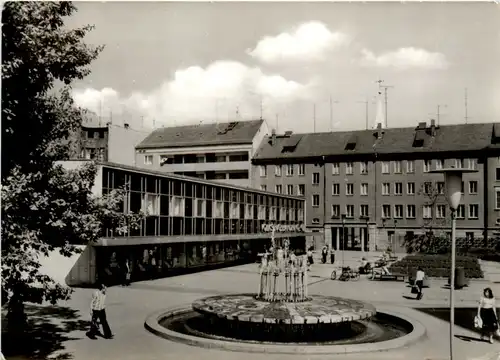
(324, 254)
(332, 255)
(98, 312)
(419, 282)
(310, 259)
(127, 273)
(488, 314)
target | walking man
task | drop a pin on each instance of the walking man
(98, 312)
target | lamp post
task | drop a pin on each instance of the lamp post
(453, 186)
(393, 242)
(343, 237)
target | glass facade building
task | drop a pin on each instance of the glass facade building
(190, 223)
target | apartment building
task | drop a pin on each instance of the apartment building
(109, 142)
(217, 151)
(373, 188)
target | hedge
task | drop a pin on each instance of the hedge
(438, 265)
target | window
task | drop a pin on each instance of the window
(463, 188)
(386, 211)
(263, 187)
(427, 212)
(199, 208)
(315, 200)
(148, 160)
(289, 170)
(349, 168)
(336, 189)
(301, 189)
(439, 164)
(273, 211)
(410, 211)
(289, 189)
(472, 187)
(336, 211)
(177, 206)
(363, 167)
(461, 212)
(385, 167)
(279, 189)
(335, 169)
(386, 188)
(263, 170)
(440, 211)
(235, 211)
(497, 198)
(459, 163)
(150, 204)
(249, 211)
(473, 211)
(397, 167)
(497, 175)
(315, 179)
(349, 211)
(349, 189)
(410, 166)
(262, 212)
(363, 210)
(277, 170)
(473, 164)
(440, 187)
(302, 169)
(398, 211)
(398, 188)
(427, 188)
(218, 211)
(410, 188)
(427, 165)
(363, 189)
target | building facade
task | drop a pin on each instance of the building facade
(113, 143)
(190, 223)
(373, 189)
(218, 151)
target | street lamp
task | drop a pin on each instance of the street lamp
(343, 237)
(453, 186)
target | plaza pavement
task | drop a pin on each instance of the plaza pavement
(128, 307)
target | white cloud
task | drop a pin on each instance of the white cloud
(309, 41)
(196, 94)
(405, 58)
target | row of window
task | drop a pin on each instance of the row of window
(398, 211)
(198, 158)
(397, 188)
(396, 166)
(93, 154)
(155, 205)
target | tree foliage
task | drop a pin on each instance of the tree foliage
(45, 207)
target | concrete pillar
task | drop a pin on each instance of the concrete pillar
(337, 242)
(328, 235)
(372, 235)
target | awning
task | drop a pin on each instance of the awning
(151, 240)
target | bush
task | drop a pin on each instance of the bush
(438, 265)
(481, 253)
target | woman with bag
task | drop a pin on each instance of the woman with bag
(488, 313)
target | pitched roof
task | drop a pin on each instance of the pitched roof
(240, 132)
(448, 138)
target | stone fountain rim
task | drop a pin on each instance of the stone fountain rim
(152, 324)
(368, 311)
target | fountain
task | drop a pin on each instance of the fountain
(281, 313)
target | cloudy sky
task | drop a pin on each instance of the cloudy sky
(178, 63)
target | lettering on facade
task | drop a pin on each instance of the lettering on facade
(283, 228)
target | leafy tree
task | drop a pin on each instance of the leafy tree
(44, 207)
(429, 242)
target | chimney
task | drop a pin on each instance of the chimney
(433, 127)
(126, 126)
(379, 131)
(273, 137)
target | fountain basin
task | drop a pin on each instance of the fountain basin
(386, 330)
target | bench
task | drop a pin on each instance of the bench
(392, 276)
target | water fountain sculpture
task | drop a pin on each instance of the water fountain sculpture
(282, 310)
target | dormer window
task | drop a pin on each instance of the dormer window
(418, 141)
(495, 139)
(290, 144)
(351, 143)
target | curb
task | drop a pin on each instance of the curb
(152, 325)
